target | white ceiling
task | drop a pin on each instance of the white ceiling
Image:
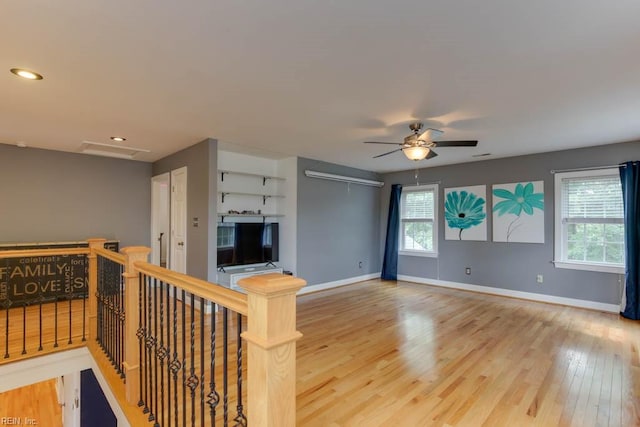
(316, 78)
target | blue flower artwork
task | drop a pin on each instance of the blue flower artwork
(465, 213)
(518, 212)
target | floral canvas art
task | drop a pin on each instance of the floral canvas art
(465, 213)
(518, 212)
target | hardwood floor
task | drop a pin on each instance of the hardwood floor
(374, 354)
(377, 354)
(36, 403)
(33, 330)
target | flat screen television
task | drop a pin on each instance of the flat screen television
(242, 243)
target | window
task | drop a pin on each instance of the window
(226, 235)
(589, 225)
(418, 221)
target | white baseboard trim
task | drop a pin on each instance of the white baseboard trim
(572, 302)
(337, 283)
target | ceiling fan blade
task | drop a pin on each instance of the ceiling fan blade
(456, 143)
(384, 154)
(376, 142)
(431, 154)
(430, 134)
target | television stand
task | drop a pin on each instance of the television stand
(230, 276)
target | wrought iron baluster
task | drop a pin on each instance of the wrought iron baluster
(162, 353)
(140, 334)
(55, 322)
(149, 346)
(155, 350)
(70, 299)
(85, 295)
(24, 328)
(116, 316)
(184, 362)
(213, 398)
(107, 309)
(99, 298)
(146, 334)
(192, 381)
(115, 285)
(175, 363)
(225, 365)
(122, 319)
(7, 306)
(113, 331)
(202, 347)
(168, 290)
(40, 299)
(240, 419)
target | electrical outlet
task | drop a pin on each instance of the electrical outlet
(467, 271)
(539, 278)
(359, 264)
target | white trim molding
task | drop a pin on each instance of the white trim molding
(42, 368)
(572, 302)
(336, 284)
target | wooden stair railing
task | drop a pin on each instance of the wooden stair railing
(43, 302)
(154, 298)
(270, 310)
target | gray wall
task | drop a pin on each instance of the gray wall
(54, 196)
(511, 266)
(201, 161)
(338, 225)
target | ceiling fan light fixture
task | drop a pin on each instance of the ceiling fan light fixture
(26, 74)
(416, 153)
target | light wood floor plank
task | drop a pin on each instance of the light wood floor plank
(36, 403)
(376, 354)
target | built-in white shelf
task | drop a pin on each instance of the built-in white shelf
(240, 193)
(264, 177)
(264, 216)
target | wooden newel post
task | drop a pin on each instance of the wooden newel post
(92, 291)
(271, 336)
(131, 309)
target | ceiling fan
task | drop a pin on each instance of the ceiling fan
(419, 146)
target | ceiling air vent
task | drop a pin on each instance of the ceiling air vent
(110, 150)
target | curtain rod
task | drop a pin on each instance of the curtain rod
(593, 168)
(343, 178)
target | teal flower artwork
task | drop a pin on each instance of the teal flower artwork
(463, 210)
(523, 199)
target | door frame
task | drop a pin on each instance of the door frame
(175, 221)
(160, 191)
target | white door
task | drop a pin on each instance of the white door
(160, 211)
(178, 243)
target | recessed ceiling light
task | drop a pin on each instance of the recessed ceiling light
(118, 138)
(26, 74)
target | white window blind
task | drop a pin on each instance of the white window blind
(592, 199)
(418, 205)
